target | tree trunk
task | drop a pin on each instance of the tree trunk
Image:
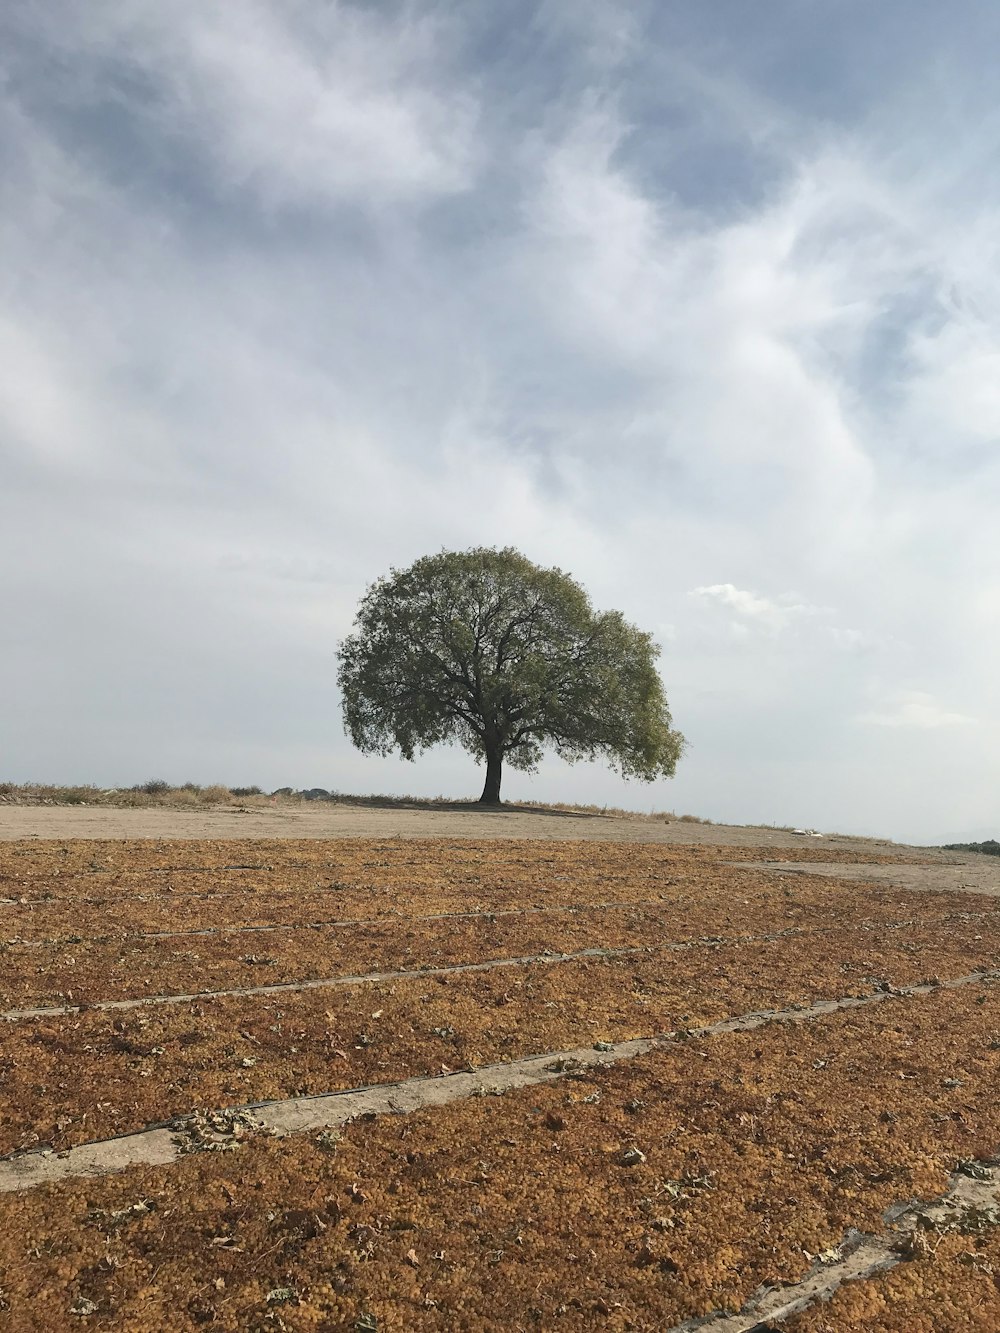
(491, 791)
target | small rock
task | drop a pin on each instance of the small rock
(974, 1170)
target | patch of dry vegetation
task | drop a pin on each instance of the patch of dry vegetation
(50, 958)
(396, 864)
(82, 1075)
(629, 1198)
(144, 796)
(156, 793)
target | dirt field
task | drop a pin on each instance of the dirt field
(325, 819)
(458, 1083)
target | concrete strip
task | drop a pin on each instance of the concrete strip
(322, 983)
(150, 1147)
(872, 1257)
(859, 1257)
(156, 1146)
(701, 941)
(329, 1110)
(162, 1145)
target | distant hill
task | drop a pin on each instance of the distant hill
(990, 847)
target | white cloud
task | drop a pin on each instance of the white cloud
(956, 398)
(297, 292)
(300, 103)
(771, 614)
(914, 708)
(721, 328)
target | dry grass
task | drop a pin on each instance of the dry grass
(144, 796)
(156, 793)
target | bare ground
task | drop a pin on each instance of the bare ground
(966, 872)
(332, 820)
(771, 1107)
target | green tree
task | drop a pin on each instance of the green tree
(487, 649)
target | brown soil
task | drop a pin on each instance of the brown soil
(82, 1076)
(71, 969)
(74, 910)
(399, 862)
(758, 1151)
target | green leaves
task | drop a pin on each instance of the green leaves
(486, 649)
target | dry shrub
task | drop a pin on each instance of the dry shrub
(215, 794)
(134, 799)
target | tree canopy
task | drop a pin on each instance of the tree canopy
(487, 649)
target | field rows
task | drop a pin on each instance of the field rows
(83, 971)
(104, 971)
(162, 1142)
(125, 945)
(757, 1150)
(155, 1061)
(134, 928)
(396, 861)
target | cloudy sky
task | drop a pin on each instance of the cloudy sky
(697, 299)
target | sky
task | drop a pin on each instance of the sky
(699, 301)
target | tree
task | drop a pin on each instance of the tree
(487, 649)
